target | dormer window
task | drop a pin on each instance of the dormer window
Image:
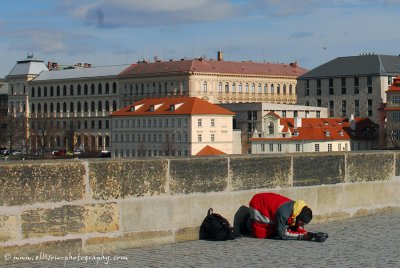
(132, 109)
(296, 134)
(151, 108)
(327, 133)
(341, 133)
(172, 107)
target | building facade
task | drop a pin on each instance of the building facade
(249, 117)
(390, 121)
(170, 127)
(297, 135)
(216, 81)
(348, 86)
(3, 113)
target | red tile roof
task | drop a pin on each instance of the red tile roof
(325, 129)
(395, 85)
(208, 150)
(213, 66)
(162, 106)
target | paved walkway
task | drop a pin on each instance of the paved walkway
(364, 242)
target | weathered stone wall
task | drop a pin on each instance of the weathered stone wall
(101, 205)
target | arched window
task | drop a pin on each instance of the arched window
(64, 90)
(92, 106)
(290, 89)
(240, 87)
(226, 88)
(33, 92)
(92, 89)
(85, 107)
(58, 107)
(220, 87)
(284, 89)
(39, 93)
(246, 88)
(272, 89)
(271, 128)
(79, 107)
(100, 106)
(278, 89)
(265, 88)
(51, 107)
(107, 106)
(100, 141)
(45, 92)
(32, 108)
(253, 88)
(45, 108)
(107, 88)
(79, 90)
(39, 108)
(64, 107)
(115, 88)
(233, 87)
(100, 88)
(71, 90)
(204, 86)
(51, 91)
(259, 88)
(58, 91)
(85, 89)
(107, 141)
(71, 107)
(114, 108)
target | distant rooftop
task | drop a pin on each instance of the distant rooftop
(214, 66)
(367, 64)
(111, 70)
(28, 66)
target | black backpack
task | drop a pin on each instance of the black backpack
(216, 227)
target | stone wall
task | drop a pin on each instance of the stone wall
(90, 206)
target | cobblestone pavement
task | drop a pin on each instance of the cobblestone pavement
(372, 241)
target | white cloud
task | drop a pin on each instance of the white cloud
(153, 12)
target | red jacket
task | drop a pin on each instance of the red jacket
(271, 215)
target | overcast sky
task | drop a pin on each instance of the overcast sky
(108, 32)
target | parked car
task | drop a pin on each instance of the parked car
(105, 154)
(78, 152)
(4, 151)
(60, 152)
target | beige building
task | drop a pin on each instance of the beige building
(348, 86)
(216, 81)
(296, 135)
(390, 117)
(171, 127)
(250, 117)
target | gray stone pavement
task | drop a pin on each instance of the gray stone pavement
(372, 241)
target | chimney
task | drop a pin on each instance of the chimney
(49, 65)
(352, 123)
(297, 122)
(293, 64)
(219, 56)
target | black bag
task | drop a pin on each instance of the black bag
(216, 227)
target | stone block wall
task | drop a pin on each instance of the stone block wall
(90, 206)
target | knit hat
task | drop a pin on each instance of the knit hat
(305, 215)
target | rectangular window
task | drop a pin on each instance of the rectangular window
(343, 108)
(331, 92)
(212, 137)
(212, 122)
(316, 147)
(318, 87)
(271, 147)
(396, 117)
(343, 85)
(318, 114)
(199, 122)
(262, 147)
(100, 124)
(319, 103)
(369, 84)
(395, 99)
(369, 106)
(331, 108)
(199, 137)
(279, 147)
(329, 147)
(297, 147)
(283, 114)
(92, 124)
(107, 124)
(356, 108)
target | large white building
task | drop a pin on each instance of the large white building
(179, 126)
(296, 135)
